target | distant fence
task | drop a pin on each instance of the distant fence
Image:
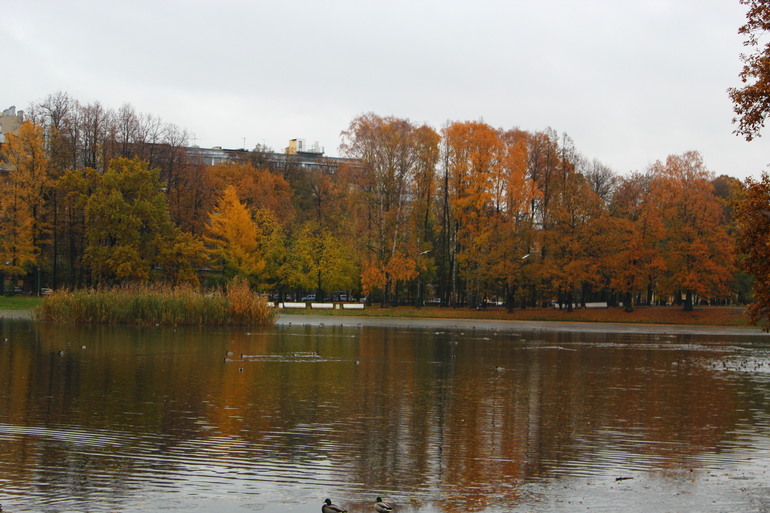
(599, 304)
(319, 306)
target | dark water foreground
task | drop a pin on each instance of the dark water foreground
(438, 419)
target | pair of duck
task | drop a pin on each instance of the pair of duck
(380, 506)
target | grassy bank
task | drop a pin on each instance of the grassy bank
(701, 316)
(164, 306)
(19, 302)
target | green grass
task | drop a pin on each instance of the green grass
(19, 302)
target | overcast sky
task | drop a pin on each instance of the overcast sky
(629, 81)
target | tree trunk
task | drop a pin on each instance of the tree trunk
(688, 301)
(628, 301)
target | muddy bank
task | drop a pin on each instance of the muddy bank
(484, 324)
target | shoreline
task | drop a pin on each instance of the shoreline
(506, 325)
(284, 319)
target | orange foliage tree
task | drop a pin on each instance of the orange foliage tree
(694, 244)
(489, 197)
(751, 101)
(257, 188)
(573, 240)
(634, 228)
(389, 149)
(753, 220)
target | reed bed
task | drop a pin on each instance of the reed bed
(147, 305)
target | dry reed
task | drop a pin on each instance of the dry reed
(161, 305)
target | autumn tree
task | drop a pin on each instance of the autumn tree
(127, 223)
(232, 237)
(634, 228)
(543, 165)
(730, 192)
(182, 257)
(317, 261)
(508, 219)
(423, 216)
(473, 157)
(193, 197)
(28, 189)
(257, 187)
(73, 190)
(388, 150)
(753, 223)
(56, 114)
(271, 247)
(694, 244)
(574, 239)
(17, 251)
(751, 101)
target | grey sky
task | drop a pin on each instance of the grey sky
(630, 82)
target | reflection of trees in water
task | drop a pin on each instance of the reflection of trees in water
(411, 413)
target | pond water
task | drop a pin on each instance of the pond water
(439, 418)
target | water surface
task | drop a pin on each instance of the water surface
(437, 419)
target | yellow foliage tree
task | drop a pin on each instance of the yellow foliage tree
(318, 261)
(232, 236)
(22, 199)
(17, 250)
(26, 156)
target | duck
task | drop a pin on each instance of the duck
(328, 507)
(381, 506)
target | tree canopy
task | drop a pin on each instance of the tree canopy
(464, 215)
(751, 101)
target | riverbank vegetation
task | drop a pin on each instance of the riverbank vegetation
(461, 216)
(705, 316)
(150, 305)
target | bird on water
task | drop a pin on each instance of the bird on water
(381, 506)
(328, 507)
